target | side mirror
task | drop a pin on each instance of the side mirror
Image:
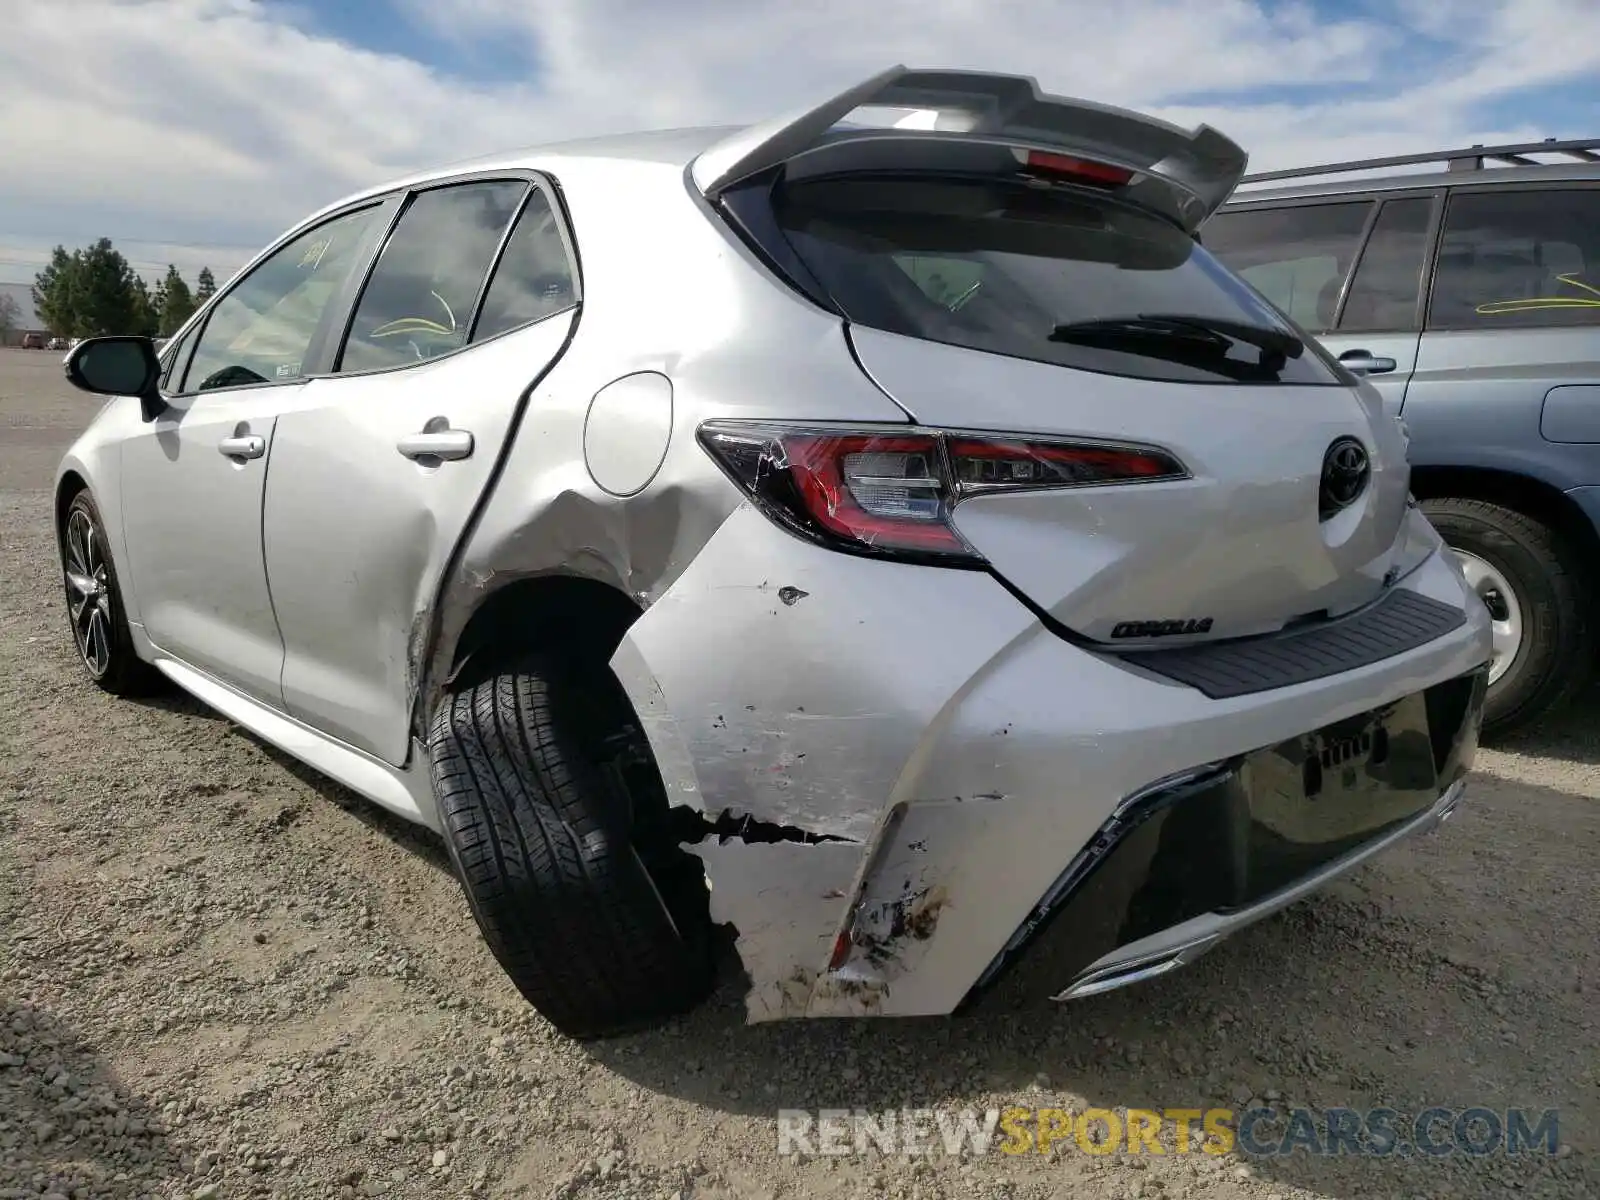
(119, 366)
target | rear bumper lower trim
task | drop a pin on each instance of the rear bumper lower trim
(1162, 952)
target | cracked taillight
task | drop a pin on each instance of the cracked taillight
(890, 492)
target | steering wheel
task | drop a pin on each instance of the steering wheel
(413, 328)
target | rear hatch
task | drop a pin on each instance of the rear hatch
(1057, 295)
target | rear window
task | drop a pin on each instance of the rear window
(1055, 275)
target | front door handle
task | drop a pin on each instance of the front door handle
(243, 446)
(1364, 362)
(445, 445)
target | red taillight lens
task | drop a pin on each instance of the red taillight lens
(989, 464)
(883, 490)
(1083, 170)
(890, 492)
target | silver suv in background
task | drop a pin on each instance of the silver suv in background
(1466, 285)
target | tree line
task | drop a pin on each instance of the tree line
(94, 291)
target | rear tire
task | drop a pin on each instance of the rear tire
(560, 832)
(95, 614)
(1549, 600)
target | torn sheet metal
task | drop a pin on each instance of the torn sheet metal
(799, 687)
(916, 878)
(784, 899)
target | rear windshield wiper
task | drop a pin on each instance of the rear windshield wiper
(1145, 325)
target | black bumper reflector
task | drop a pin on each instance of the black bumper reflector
(1399, 622)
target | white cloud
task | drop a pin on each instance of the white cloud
(219, 121)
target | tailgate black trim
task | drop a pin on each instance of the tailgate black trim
(1399, 622)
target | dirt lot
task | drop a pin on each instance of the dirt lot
(221, 976)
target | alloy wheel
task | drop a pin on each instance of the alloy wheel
(88, 593)
(1505, 613)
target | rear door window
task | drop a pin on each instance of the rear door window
(534, 277)
(1060, 275)
(1384, 294)
(419, 300)
(1517, 259)
(1297, 256)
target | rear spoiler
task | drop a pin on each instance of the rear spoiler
(1187, 174)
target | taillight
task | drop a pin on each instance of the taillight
(890, 492)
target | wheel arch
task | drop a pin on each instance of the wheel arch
(1526, 494)
(68, 486)
(577, 614)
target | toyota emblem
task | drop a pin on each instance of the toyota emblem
(1345, 471)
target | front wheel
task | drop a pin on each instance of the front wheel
(1537, 592)
(94, 605)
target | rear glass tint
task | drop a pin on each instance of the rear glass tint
(1055, 275)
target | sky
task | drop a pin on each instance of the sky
(194, 131)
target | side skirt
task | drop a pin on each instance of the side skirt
(405, 791)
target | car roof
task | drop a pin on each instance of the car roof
(666, 147)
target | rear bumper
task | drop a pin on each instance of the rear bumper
(1189, 860)
(957, 757)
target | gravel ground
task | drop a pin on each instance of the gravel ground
(222, 976)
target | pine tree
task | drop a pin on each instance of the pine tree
(205, 286)
(177, 302)
(53, 293)
(147, 317)
(103, 297)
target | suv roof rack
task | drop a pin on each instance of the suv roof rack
(1472, 158)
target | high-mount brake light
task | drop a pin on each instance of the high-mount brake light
(890, 492)
(1083, 170)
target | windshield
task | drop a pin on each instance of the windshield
(1007, 267)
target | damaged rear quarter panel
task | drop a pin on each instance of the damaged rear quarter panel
(803, 687)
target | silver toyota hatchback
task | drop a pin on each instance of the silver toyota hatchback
(872, 533)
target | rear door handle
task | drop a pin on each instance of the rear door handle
(243, 446)
(446, 445)
(1364, 362)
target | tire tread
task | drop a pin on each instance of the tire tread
(558, 891)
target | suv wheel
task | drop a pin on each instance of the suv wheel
(560, 832)
(1537, 595)
(94, 605)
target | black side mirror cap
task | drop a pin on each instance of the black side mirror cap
(121, 365)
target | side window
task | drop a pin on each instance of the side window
(1296, 256)
(534, 278)
(1388, 280)
(418, 301)
(261, 330)
(1512, 259)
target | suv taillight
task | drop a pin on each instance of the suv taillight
(889, 492)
